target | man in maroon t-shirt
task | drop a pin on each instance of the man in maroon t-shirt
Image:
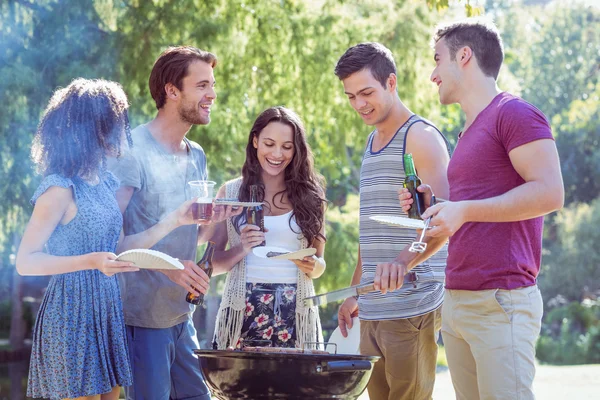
(504, 176)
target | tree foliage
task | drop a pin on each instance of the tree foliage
(44, 45)
(565, 58)
(571, 334)
(441, 5)
(578, 139)
(572, 258)
(274, 53)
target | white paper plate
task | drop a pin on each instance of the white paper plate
(404, 222)
(233, 202)
(349, 344)
(261, 251)
(150, 259)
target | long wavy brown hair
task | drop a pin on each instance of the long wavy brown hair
(82, 123)
(304, 187)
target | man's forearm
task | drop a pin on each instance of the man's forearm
(205, 232)
(357, 273)
(411, 260)
(527, 201)
(149, 237)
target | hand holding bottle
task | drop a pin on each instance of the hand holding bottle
(255, 215)
(411, 183)
(251, 236)
(406, 198)
(205, 264)
(192, 278)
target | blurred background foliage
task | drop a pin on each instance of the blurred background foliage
(283, 53)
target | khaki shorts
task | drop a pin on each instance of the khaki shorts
(489, 337)
(408, 351)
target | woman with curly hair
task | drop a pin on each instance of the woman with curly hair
(79, 343)
(262, 299)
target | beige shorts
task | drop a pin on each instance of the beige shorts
(489, 337)
(408, 351)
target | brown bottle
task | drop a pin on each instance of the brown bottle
(255, 215)
(206, 264)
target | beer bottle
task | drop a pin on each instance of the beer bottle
(411, 182)
(206, 264)
(255, 214)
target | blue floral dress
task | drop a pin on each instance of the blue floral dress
(79, 341)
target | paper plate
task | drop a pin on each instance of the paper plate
(404, 222)
(234, 202)
(349, 344)
(150, 259)
(262, 251)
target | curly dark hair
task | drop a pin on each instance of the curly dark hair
(304, 187)
(82, 124)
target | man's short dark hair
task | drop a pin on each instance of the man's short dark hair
(481, 36)
(172, 66)
(372, 56)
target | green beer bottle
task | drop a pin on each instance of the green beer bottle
(411, 182)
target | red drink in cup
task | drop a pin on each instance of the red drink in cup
(202, 191)
(202, 210)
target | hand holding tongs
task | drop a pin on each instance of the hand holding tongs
(420, 246)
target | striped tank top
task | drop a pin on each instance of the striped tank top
(381, 176)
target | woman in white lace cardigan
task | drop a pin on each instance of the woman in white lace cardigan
(262, 299)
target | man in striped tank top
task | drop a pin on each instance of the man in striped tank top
(399, 323)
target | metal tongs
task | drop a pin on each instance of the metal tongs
(420, 246)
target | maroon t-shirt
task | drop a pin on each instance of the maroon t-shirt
(494, 255)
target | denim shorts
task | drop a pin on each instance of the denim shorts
(164, 365)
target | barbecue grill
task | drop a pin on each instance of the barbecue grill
(284, 374)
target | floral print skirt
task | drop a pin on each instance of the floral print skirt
(270, 315)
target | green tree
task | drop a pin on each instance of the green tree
(278, 53)
(578, 138)
(570, 267)
(554, 51)
(46, 44)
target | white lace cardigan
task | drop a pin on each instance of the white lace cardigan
(230, 317)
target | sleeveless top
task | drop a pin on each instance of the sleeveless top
(230, 316)
(262, 270)
(381, 176)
